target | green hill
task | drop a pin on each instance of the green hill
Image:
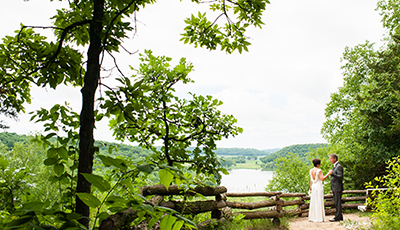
(241, 152)
(239, 155)
(301, 150)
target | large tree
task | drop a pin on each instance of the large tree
(101, 27)
(160, 115)
(363, 116)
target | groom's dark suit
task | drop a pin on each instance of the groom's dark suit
(337, 189)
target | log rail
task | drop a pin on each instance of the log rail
(274, 205)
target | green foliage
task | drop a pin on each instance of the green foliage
(228, 162)
(29, 57)
(9, 139)
(100, 27)
(26, 204)
(291, 175)
(23, 176)
(291, 172)
(241, 152)
(12, 186)
(362, 117)
(230, 37)
(160, 115)
(301, 150)
(386, 203)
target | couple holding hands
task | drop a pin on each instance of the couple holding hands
(317, 208)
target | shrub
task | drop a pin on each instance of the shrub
(386, 203)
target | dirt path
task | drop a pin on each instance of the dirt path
(351, 221)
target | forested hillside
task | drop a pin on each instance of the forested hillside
(124, 150)
(301, 150)
(241, 152)
(8, 139)
(242, 155)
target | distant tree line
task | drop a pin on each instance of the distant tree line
(133, 152)
(268, 162)
(242, 151)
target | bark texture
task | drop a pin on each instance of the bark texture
(92, 76)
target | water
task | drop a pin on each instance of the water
(246, 180)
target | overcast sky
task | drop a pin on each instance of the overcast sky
(278, 90)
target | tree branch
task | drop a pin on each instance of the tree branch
(63, 36)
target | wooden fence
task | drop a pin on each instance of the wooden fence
(275, 205)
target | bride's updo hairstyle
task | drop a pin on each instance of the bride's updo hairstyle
(316, 162)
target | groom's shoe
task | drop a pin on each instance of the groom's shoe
(333, 220)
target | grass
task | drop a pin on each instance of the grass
(249, 165)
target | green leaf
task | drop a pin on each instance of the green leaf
(166, 177)
(178, 225)
(148, 208)
(20, 221)
(63, 153)
(52, 152)
(59, 169)
(37, 227)
(89, 199)
(73, 216)
(97, 181)
(186, 220)
(3, 59)
(3, 163)
(33, 206)
(148, 168)
(50, 161)
(50, 135)
(116, 200)
(154, 220)
(166, 210)
(167, 222)
(109, 161)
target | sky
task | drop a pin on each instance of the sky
(278, 91)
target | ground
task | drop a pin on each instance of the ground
(351, 221)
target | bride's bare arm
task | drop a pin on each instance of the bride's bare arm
(322, 177)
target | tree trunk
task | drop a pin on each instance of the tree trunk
(92, 76)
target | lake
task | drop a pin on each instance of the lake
(246, 180)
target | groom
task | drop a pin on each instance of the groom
(336, 186)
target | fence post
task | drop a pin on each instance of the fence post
(300, 205)
(218, 213)
(279, 204)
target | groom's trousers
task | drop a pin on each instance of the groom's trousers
(337, 197)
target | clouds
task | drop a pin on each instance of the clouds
(277, 91)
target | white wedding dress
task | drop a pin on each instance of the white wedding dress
(316, 212)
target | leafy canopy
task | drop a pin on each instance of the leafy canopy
(362, 118)
(98, 29)
(160, 115)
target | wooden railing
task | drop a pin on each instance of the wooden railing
(274, 206)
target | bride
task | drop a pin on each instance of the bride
(317, 209)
